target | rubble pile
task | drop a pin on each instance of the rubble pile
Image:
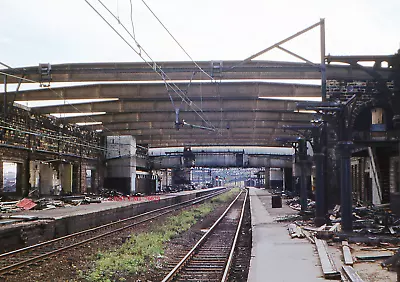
(375, 239)
(46, 203)
(294, 203)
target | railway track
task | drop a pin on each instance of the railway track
(241, 262)
(20, 258)
(212, 256)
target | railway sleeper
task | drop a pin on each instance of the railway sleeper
(207, 261)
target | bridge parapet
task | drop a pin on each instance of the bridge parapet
(222, 160)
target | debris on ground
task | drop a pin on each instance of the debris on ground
(47, 203)
(375, 238)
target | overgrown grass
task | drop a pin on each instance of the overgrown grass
(226, 196)
(140, 252)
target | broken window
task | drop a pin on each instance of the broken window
(9, 177)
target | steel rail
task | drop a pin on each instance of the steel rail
(230, 258)
(199, 243)
(17, 265)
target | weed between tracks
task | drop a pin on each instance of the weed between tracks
(140, 251)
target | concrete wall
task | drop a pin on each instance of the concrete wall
(47, 176)
(66, 177)
(121, 164)
(263, 161)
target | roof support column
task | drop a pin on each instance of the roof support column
(345, 184)
(320, 213)
(303, 174)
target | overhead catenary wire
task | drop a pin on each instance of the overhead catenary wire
(186, 99)
(133, 26)
(153, 65)
(177, 42)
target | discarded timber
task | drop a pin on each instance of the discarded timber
(343, 278)
(334, 227)
(351, 274)
(374, 240)
(292, 228)
(295, 231)
(328, 267)
(348, 259)
(375, 256)
(309, 236)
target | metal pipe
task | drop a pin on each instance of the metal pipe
(323, 66)
(295, 55)
(280, 43)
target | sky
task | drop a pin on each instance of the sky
(69, 31)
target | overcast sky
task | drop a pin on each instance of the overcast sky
(67, 31)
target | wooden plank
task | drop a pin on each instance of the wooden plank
(343, 278)
(327, 264)
(308, 236)
(348, 259)
(334, 227)
(299, 232)
(351, 274)
(375, 256)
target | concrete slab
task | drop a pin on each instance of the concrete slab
(275, 256)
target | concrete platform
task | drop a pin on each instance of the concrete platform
(53, 223)
(275, 256)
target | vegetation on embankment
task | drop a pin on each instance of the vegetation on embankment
(140, 251)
